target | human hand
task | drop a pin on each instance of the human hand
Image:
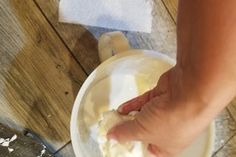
(167, 122)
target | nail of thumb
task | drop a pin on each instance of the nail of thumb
(127, 131)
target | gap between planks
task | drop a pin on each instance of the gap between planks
(59, 149)
(167, 9)
(60, 37)
(216, 152)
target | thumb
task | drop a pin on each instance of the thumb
(127, 131)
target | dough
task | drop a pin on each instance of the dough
(111, 148)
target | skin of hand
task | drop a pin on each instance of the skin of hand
(164, 122)
(189, 96)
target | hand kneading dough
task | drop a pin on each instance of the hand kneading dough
(111, 148)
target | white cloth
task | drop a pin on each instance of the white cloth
(130, 15)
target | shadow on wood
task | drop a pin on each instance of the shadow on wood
(79, 41)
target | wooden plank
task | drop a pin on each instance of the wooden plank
(39, 79)
(20, 146)
(228, 150)
(172, 7)
(79, 40)
(67, 151)
(225, 128)
(232, 109)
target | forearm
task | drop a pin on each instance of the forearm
(206, 55)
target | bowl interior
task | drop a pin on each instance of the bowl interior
(114, 82)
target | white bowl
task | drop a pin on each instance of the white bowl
(115, 81)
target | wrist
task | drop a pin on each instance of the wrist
(197, 98)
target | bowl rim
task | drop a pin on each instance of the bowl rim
(74, 114)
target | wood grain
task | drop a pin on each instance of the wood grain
(228, 150)
(232, 109)
(67, 151)
(39, 79)
(172, 7)
(225, 128)
(79, 40)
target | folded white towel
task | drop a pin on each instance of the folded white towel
(131, 15)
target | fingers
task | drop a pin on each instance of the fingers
(136, 103)
(127, 131)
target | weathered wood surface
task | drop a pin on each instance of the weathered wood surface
(232, 109)
(172, 7)
(20, 146)
(39, 78)
(228, 150)
(225, 127)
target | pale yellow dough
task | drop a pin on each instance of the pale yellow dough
(111, 148)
